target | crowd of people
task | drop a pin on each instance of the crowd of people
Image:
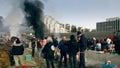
(68, 48)
(49, 48)
(108, 44)
(65, 50)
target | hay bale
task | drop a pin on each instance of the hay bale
(4, 59)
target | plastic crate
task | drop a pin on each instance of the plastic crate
(28, 57)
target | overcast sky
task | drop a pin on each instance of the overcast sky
(84, 13)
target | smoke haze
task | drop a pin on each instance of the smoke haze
(14, 18)
(25, 11)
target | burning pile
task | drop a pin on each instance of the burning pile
(33, 15)
(23, 14)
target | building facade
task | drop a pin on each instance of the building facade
(110, 25)
(54, 26)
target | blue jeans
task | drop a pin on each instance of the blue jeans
(82, 60)
(39, 52)
(73, 61)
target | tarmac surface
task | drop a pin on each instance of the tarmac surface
(94, 59)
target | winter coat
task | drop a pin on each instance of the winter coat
(63, 46)
(47, 51)
(17, 49)
(82, 43)
(72, 47)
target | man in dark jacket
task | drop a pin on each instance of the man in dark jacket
(17, 51)
(63, 50)
(72, 51)
(33, 46)
(48, 52)
(82, 45)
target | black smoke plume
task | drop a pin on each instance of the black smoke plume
(33, 15)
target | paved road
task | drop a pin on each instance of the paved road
(97, 59)
(93, 60)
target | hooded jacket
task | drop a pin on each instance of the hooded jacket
(17, 49)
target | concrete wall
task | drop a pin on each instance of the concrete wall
(98, 35)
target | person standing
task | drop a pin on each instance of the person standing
(82, 45)
(63, 51)
(33, 42)
(48, 52)
(39, 46)
(18, 51)
(55, 43)
(72, 51)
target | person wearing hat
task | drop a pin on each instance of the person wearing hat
(82, 42)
